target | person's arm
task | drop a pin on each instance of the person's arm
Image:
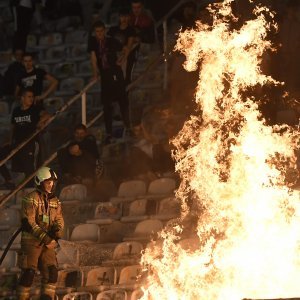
(57, 228)
(50, 89)
(17, 91)
(94, 65)
(44, 117)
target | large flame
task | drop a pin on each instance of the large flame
(233, 167)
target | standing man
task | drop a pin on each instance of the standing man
(142, 22)
(103, 52)
(33, 78)
(25, 119)
(42, 226)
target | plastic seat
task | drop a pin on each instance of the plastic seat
(169, 208)
(75, 37)
(70, 86)
(78, 296)
(145, 230)
(126, 253)
(49, 40)
(9, 218)
(85, 69)
(129, 276)
(112, 294)
(106, 213)
(86, 232)
(77, 192)
(98, 280)
(161, 187)
(130, 190)
(54, 55)
(137, 211)
(78, 52)
(64, 70)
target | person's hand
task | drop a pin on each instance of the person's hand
(52, 244)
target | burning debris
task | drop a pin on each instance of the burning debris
(233, 166)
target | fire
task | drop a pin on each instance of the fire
(233, 166)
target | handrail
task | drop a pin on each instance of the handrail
(166, 17)
(63, 108)
(46, 162)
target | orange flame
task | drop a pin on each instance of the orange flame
(248, 220)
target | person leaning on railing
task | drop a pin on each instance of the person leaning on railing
(25, 119)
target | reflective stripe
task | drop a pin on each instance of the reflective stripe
(49, 290)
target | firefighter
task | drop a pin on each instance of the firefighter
(42, 226)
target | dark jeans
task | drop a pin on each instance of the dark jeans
(23, 17)
(113, 90)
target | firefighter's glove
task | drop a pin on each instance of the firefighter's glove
(47, 239)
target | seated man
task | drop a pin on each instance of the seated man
(81, 150)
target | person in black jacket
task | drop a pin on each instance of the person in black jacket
(104, 58)
(80, 160)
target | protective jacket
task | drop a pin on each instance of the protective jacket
(42, 218)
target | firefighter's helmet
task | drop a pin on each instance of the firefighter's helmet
(44, 173)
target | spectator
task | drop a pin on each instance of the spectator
(142, 22)
(13, 73)
(188, 15)
(25, 119)
(80, 161)
(105, 63)
(33, 77)
(125, 34)
(23, 12)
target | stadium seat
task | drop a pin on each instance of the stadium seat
(78, 296)
(54, 55)
(75, 37)
(70, 86)
(73, 192)
(169, 208)
(49, 40)
(86, 233)
(129, 277)
(9, 218)
(137, 211)
(78, 52)
(125, 253)
(162, 186)
(130, 190)
(85, 69)
(98, 280)
(106, 213)
(64, 70)
(112, 294)
(145, 230)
